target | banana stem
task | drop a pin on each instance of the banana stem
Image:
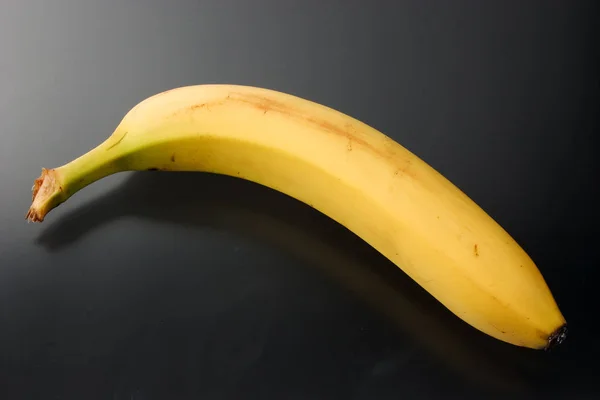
(56, 185)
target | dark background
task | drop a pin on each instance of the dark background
(158, 285)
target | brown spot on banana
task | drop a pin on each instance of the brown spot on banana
(404, 169)
(198, 106)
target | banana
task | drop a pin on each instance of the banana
(345, 169)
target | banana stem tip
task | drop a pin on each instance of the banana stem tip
(46, 194)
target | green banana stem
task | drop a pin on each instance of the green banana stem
(56, 185)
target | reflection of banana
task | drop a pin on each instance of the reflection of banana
(347, 170)
(396, 299)
(266, 219)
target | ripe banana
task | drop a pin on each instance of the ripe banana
(347, 170)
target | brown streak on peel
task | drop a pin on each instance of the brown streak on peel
(476, 250)
(265, 104)
(195, 107)
(498, 329)
(118, 141)
(404, 169)
(173, 157)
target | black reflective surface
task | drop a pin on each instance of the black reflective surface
(163, 285)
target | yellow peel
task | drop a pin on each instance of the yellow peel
(347, 170)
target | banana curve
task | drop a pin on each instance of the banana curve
(347, 170)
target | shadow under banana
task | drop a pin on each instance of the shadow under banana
(254, 211)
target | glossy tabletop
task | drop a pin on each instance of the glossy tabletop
(187, 285)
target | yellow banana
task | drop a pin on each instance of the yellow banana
(347, 170)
